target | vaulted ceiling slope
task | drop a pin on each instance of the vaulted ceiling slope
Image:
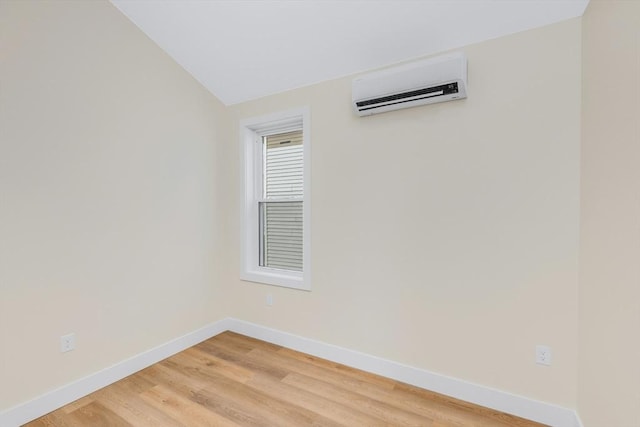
(245, 49)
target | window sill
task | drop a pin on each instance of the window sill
(277, 278)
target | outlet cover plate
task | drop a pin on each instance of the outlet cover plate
(67, 343)
(543, 355)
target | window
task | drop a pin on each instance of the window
(275, 223)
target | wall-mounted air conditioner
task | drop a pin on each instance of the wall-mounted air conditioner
(439, 79)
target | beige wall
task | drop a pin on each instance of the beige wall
(444, 237)
(109, 211)
(609, 380)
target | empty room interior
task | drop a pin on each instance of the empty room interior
(434, 198)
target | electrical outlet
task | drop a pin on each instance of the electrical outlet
(543, 355)
(269, 300)
(67, 343)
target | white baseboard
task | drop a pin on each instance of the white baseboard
(542, 412)
(534, 410)
(59, 397)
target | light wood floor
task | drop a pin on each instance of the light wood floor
(233, 380)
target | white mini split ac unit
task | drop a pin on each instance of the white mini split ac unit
(439, 79)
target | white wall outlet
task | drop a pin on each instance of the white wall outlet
(543, 355)
(269, 300)
(67, 343)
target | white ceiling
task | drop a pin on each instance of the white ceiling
(246, 49)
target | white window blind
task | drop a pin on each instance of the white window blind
(281, 209)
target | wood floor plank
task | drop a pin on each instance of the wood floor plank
(54, 419)
(184, 410)
(269, 411)
(227, 398)
(135, 384)
(381, 410)
(198, 359)
(231, 354)
(234, 381)
(457, 409)
(165, 375)
(239, 395)
(337, 368)
(97, 415)
(364, 385)
(337, 412)
(349, 382)
(188, 387)
(128, 405)
(238, 341)
(348, 379)
(78, 403)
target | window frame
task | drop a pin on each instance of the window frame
(251, 132)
